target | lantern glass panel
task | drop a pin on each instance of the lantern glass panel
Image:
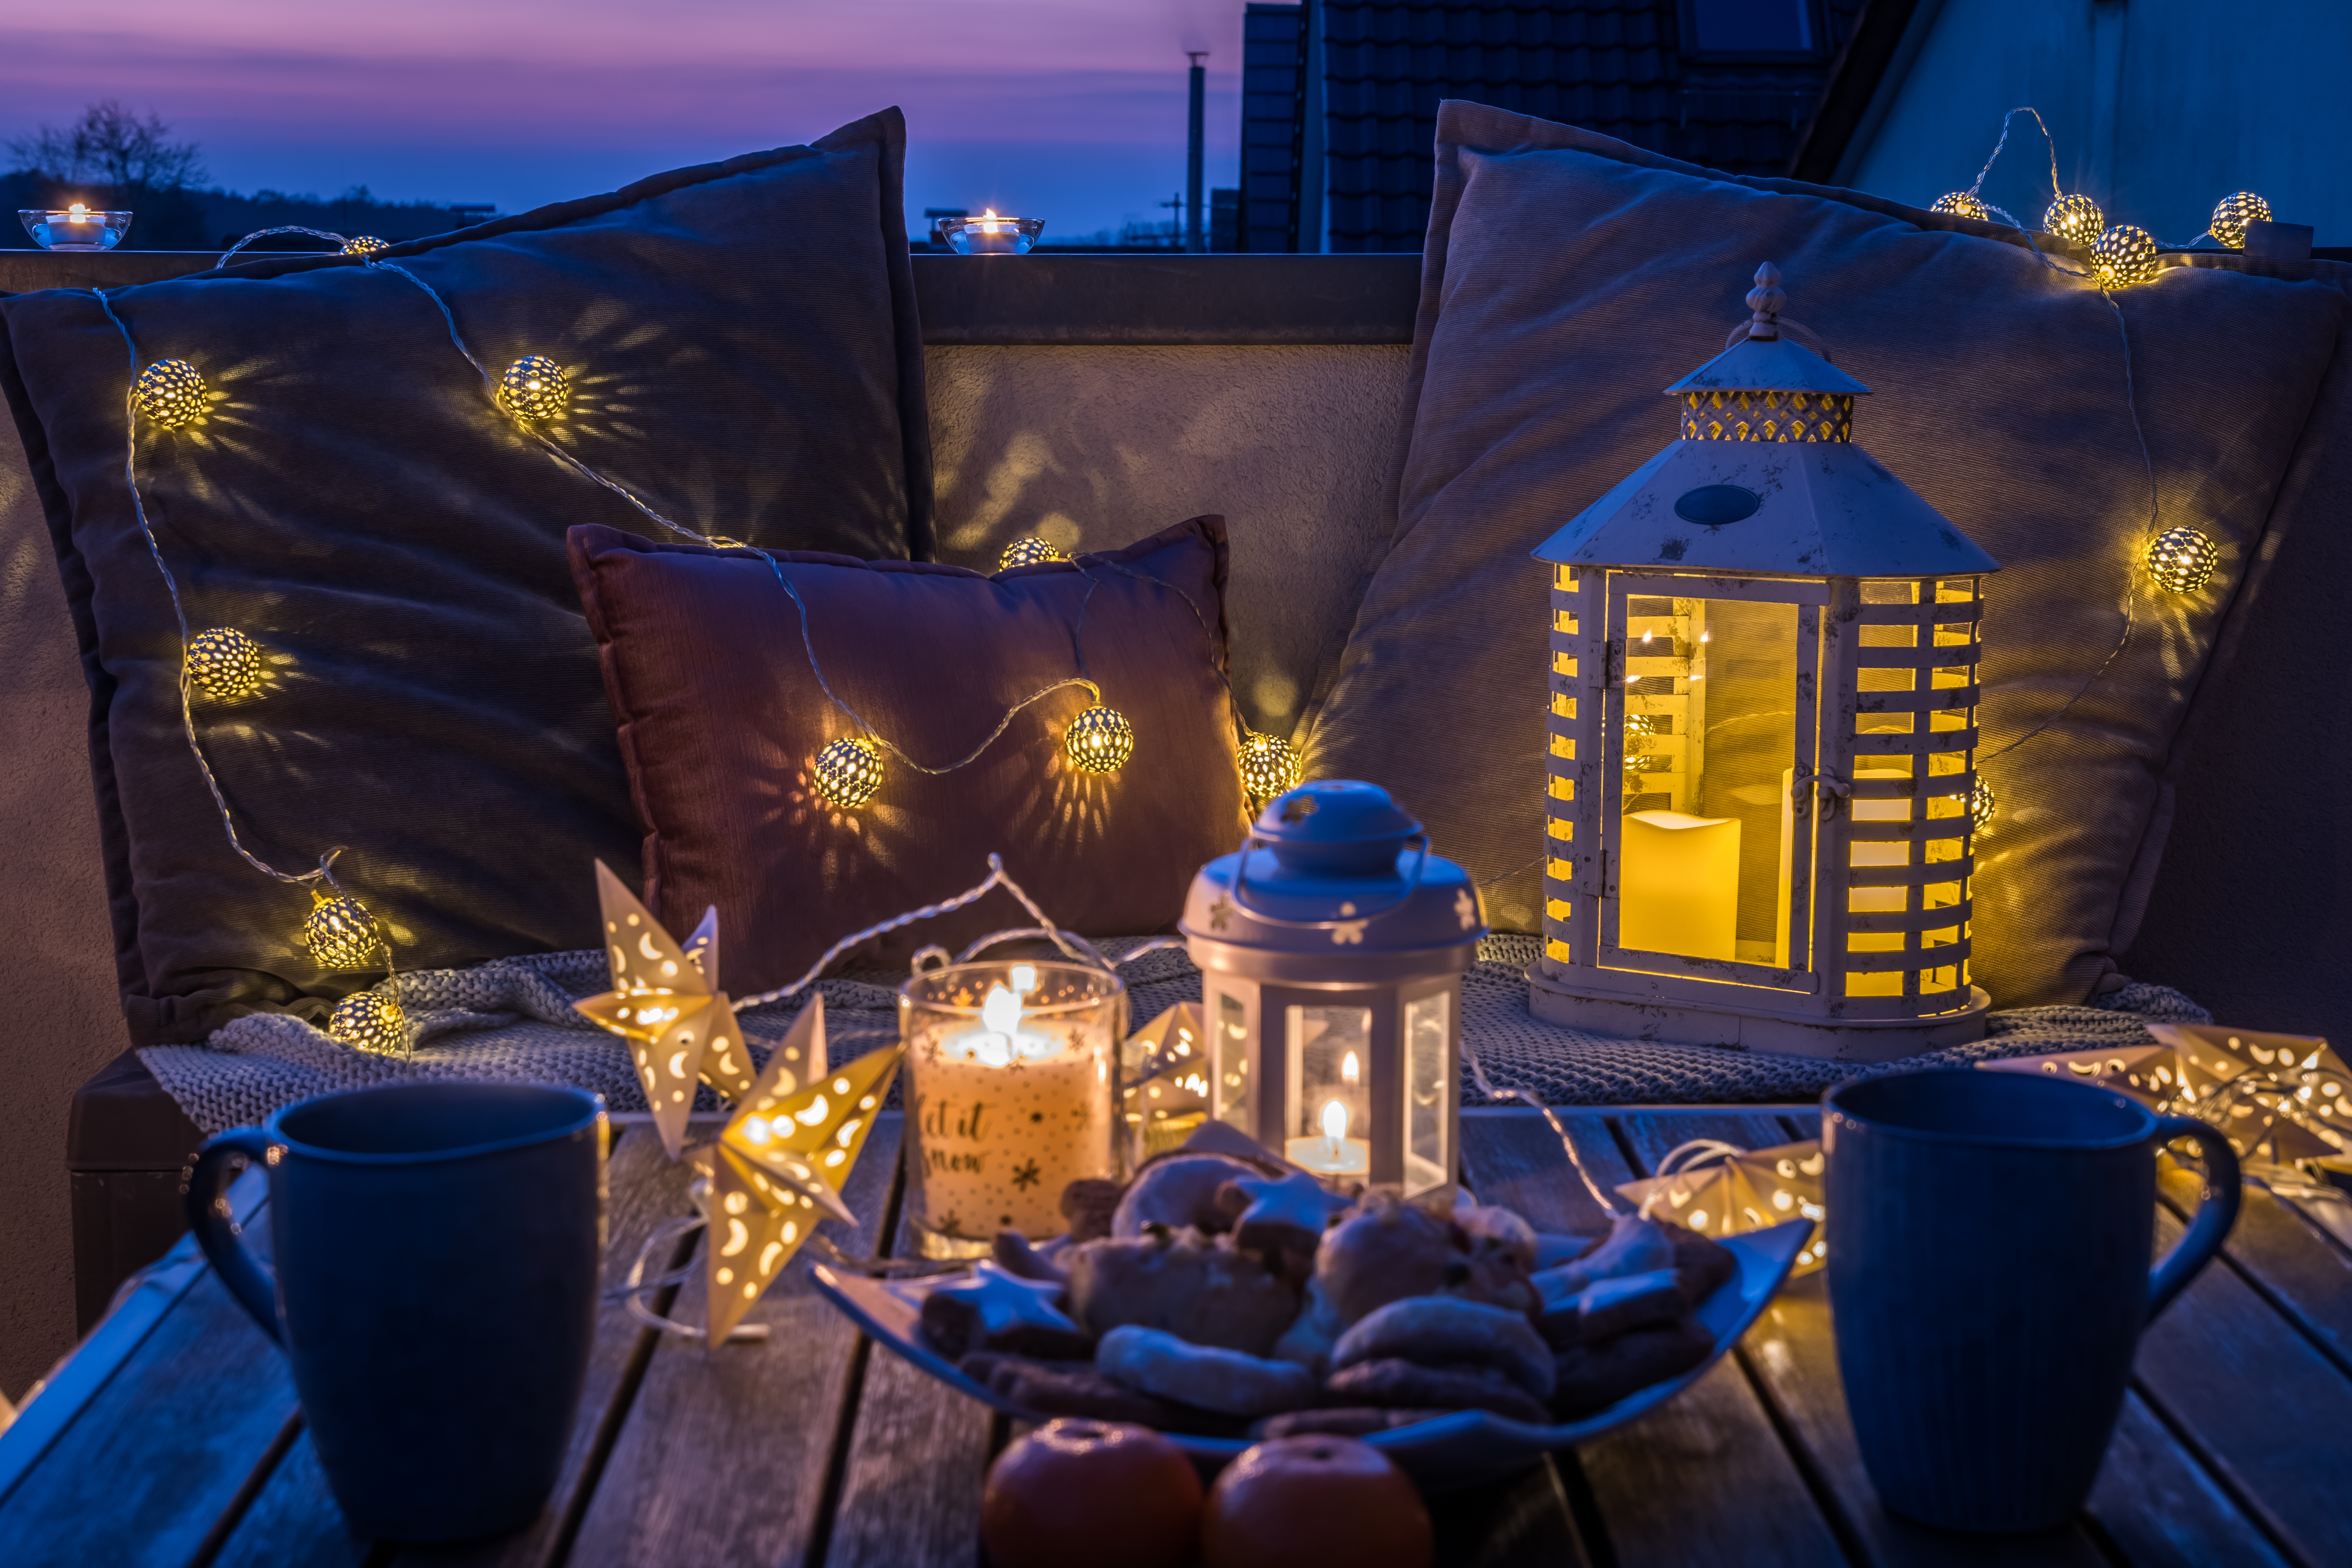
(1329, 1052)
(1428, 1088)
(1709, 735)
(1229, 1064)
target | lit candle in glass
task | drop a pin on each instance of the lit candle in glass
(988, 234)
(77, 227)
(1009, 1091)
(1333, 1154)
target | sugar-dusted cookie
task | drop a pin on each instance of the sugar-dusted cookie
(1394, 1382)
(1159, 1362)
(1176, 1191)
(1442, 1331)
(1633, 1246)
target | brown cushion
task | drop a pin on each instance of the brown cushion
(722, 713)
(1570, 278)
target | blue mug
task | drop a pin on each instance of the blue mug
(1989, 1236)
(434, 1282)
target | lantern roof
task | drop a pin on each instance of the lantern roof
(1767, 480)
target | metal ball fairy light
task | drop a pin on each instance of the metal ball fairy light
(1099, 740)
(1269, 764)
(223, 664)
(1763, 730)
(2123, 256)
(341, 933)
(534, 387)
(170, 393)
(2233, 213)
(2076, 220)
(369, 1022)
(1028, 550)
(2181, 560)
(847, 772)
(1961, 204)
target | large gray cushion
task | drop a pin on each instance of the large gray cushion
(1570, 278)
(744, 349)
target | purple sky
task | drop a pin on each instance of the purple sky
(1068, 110)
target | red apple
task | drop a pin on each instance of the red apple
(1315, 1502)
(1076, 1493)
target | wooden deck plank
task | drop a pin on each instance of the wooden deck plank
(917, 1459)
(2261, 1406)
(294, 1523)
(1522, 1523)
(1793, 1357)
(1705, 1478)
(149, 1467)
(1513, 1158)
(2290, 1260)
(2162, 1511)
(725, 1454)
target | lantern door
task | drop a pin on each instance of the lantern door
(1705, 828)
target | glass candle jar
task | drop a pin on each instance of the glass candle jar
(75, 228)
(1012, 1079)
(989, 235)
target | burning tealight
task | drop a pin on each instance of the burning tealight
(988, 234)
(1333, 1155)
(1009, 1100)
(77, 227)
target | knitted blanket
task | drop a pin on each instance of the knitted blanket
(512, 1018)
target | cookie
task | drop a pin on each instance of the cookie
(1608, 1308)
(1385, 1251)
(1073, 1391)
(990, 1309)
(1016, 1257)
(1395, 1383)
(1704, 1265)
(1088, 1204)
(1440, 1330)
(1591, 1378)
(1310, 1338)
(1286, 1214)
(1176, 1191)
(1633, 1245)
(1348, 1421)
(1159, 1362)
(1197, 1289)
(1501, 1227)
(1554, 1249)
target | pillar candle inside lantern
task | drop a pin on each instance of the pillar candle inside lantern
(1679, 885)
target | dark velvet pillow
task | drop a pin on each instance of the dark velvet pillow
(722, 716)
(741, 344)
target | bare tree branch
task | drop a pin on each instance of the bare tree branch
(111, 145)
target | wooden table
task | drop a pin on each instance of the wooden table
(171, 1438)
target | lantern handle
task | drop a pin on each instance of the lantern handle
(1241, 883)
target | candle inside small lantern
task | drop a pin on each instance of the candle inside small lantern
(1332, 1154)
(76, 226)
(1009, 1091)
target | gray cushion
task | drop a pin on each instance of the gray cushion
(1570, 278)
(743, 346)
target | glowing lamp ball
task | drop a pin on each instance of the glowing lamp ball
(2124, 256)
(534, 387)
(1786, 637)
(223, 664)
(1961, 204)
(1099, 740)
(847, 772)
(364, 244)
(2076, 220)
(1331, 947)
(2233, 213)
(341, 933)
(1027, 550)
(170, 393)
(2181, 560)
(372, 1023)
(1269, 765)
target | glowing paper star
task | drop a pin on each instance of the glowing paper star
(2286, 1097)
(1005, 1301)
(665, 1002)
(780, 1164)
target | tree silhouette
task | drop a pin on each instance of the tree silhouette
(111, 145)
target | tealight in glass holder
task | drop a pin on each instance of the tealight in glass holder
(1012, 1079)
(989, 235)
(74, 227)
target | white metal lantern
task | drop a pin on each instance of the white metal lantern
(1763, 730)
(1331, 948)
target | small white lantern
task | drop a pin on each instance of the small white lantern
(1763, 732)
(1331, 948)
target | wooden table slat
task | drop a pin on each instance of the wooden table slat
(294, 1523)
(2263, 1406)
(1514, 1159)
(2155, 1503)
(726, 1452)
(2305, 1275)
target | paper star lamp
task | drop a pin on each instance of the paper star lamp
(1164, 1072)
(780, 1165)
(1753, 1190)
(2284, 1096)
(665, 1002)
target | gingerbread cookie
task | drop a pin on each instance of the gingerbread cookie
(1159, 1362)
(1440, 1330)
(1049, 1390)
(1703, 1265)
(1197, 1289)
(1393, 1383)
(1386, 1250)
(1177, 1191)
(1088, 1204)
(1589, 1378)
(1633, 1245)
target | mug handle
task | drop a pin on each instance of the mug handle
(247, 1278)
(2215, 1214)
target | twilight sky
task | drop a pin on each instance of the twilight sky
(1068, 110)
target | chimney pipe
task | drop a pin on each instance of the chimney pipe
(1194, 242)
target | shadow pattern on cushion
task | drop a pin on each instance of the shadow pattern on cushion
(1569, 278)
(723, 714)
(743, 351)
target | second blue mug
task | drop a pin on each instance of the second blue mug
(435, 1268)
(1989, 1237)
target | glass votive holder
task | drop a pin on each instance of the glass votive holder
(988, 234)
(1012, 1079)
(75, 228)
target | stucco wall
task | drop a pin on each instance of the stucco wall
(1090, 447)
(2160, 108)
